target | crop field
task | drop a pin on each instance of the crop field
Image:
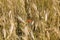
(29, 19)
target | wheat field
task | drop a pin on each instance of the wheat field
(29, 19)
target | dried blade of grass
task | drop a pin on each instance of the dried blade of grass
(32, 35)
(12, 24)
(57, 10)
(36, 25)
(46, 15)
(32, 22)
(26, 32)
(19, 18)
(34, 6)
(48, 35)
(24, 38)
(56, 30)
(4, 32)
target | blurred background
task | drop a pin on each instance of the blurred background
(29, 19)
